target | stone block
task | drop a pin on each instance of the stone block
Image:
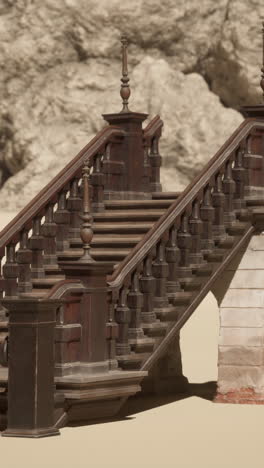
(251, 260)
(241, 336)
(241, 317)
(235, 377)
(247, 279)
(244, 298)
(240, 355)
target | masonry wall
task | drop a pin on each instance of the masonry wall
(240, 295)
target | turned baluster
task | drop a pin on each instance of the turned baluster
(207, 216)
(2, 288)
(229, 187)
(218, 200)
(10, 270)
(135, 303)
(155, 163)
(24, 257)
(36, 244)
(239, 173)
(86, 231)
(97, 181)
(184, 240)
(112, 330)
(62, 219)
(196, 229)
(253, 164)
(172, 257)
(49, 230)
(262, 68)
(160, 272)
(147, 286)
(147, 166)
(74, 205)
(123, 318)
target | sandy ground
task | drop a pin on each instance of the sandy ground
(193, 432)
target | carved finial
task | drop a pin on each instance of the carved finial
(262, 69)
(86, 228)
(125, 89)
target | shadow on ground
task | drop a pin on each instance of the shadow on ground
(140, 403)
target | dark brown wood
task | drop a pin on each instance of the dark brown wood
(125, 90)
(86, 216)
(107, 320)
(31, 368)
(262, 69)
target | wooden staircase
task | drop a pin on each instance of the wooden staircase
(102, 269)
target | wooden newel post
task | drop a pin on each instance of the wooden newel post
(130, 152)
(94, 304)
(31, 367)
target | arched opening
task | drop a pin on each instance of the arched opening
(199, 342)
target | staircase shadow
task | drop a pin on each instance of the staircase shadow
(140, 403)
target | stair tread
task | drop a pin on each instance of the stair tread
(96, 252)
(166, 195)
(122, 226)
(139, 203)
(133, 357)
(128, 214)
(113, 239)
(49, 281)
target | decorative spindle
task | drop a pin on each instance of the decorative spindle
(262, 69)
(125, 89)
(86, 228)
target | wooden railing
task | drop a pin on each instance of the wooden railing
(184, 235)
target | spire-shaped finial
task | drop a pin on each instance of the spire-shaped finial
(262, 69)
(125, 89)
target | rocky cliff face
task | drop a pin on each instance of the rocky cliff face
(191, 62)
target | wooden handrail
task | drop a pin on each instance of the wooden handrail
(57, 183)
(153, 126)
(191, 191)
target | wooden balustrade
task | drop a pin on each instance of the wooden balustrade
(135, 303)
(123, 318)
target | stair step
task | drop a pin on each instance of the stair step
(244, 214)
(127, 215)
(155, 329)
(143, 204)
(256, 201)
(169, 313)
(216, 256)
(46, 282)
(190, 284)
(203, 270)
(122, 227)
(237, 228)
(141, 345)
(227, 242)
(127, 240)
(97, 254)
(181, 298)
(35, 293)
(165, 195)
(132, 360)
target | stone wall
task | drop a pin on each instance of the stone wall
(240, 294)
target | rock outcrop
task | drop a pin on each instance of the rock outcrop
(60, 67)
